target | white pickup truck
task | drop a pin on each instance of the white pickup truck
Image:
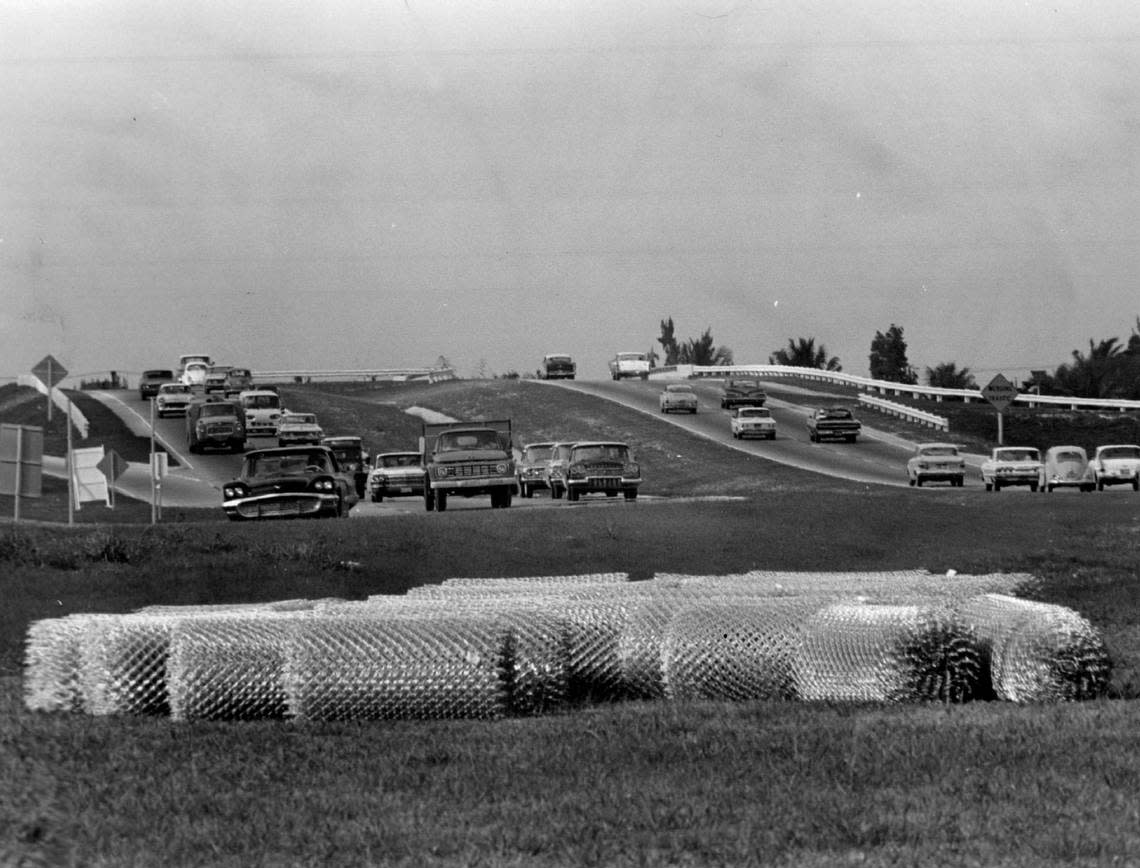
(630, 365)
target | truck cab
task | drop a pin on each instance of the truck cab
(468, 459)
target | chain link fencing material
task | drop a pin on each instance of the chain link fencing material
(885, 653)
(493, 648)
(1038, 652)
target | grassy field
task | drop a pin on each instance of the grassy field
(625, 784)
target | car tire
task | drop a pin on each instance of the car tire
(611, 494)
(1136, 484)
(910, 481)
(631, 494)
(429, 500)
(440, 501)
(989, 486)
(377, 498)
(572, 494)
(1034, 487)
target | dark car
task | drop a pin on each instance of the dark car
(352, 458)
(289, 482)
(151, 380)
(215, 423)
(742, 393)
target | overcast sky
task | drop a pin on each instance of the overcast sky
(375, 184)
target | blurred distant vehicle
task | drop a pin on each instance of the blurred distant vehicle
(172, 399)
(752, 422)
(556, 468)
(194, 358)
(352, 458)
(215, 424)
(292, 482)
(216, 378)
(262, 410)
(1012, 465)
(557, 366)
(601, 467)
(738, 392)
(294, 428)
(394, 474)
(238, 380)
(1067, 467)
(936, 462)
(833, 423)
(678, 398)
(151, 380)
(530, 469)
(629, 365)
(194, 376)
(1118, 464)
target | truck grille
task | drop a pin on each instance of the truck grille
(468, 471)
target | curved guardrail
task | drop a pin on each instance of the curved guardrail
(885, 387)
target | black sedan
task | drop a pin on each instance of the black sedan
(289, 482)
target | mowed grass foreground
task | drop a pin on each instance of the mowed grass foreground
(663, 783)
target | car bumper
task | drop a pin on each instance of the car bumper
(299, 505)
(285, 437)
(602, 483)
(755, 431)
(472, 486)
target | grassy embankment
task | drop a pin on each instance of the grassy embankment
(677, 783)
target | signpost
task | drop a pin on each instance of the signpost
(112, 466)
(1000, 392)
(50, 372)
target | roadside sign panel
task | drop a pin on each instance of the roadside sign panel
(1000, 392)
(49, 371)
(88, 479)
(112, 465)
(22, 458)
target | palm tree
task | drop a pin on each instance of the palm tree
(946, 375)
(803, 353)
(1096, 375)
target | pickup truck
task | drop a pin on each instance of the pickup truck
(630, 365)
(466, 459)
(833, 423)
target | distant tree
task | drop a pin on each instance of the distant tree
(668, 341)
(803, 353)
(947, 375)
(703, 351)
(1100, 374)
(888, 358)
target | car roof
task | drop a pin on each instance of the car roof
(679, 387)
(539, 443)
(286, 450)
(403, 452)
(936, 444)
(599, 443)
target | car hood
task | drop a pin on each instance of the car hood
(470, 455)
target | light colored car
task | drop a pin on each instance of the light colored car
(262, 411)
(936, 462)
(678, 398)
(1067, 467)
(602, 467)
(173, 399)
(1012, 465)
(530, 469)
(1118, 464)
(194, 376)
(394, 474)
(556, 468)
(295, 428)
(629, 365)
(752, 422)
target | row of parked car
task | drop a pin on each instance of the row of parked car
(576, 468)
(1009, 466)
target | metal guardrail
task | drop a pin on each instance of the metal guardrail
(885, 387)
(902, 411)
(432, 375)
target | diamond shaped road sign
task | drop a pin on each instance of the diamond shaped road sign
(112, 465)
(49, 371)
(1000, 392)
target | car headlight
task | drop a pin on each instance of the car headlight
(502, 467)
(323, 485)
(576, 472)
(631, 470)
(441, 471)
(232, 492)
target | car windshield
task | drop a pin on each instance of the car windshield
(1018, 455)
(755, 413)
(837, 413)
(1132, 452)
(291, 464)
(410, 460)
(601, 452)
(175, 390)
(459, 441)
(743, 384)
(680, 388)
(238, 372)
(631, 357)
(261, 402)
(158, 375)
(561, 360)
(938, 450)
(1068, 455)
(217, 410)
(300, 419)
(537, 453)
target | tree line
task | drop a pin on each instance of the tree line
(1110, 369)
